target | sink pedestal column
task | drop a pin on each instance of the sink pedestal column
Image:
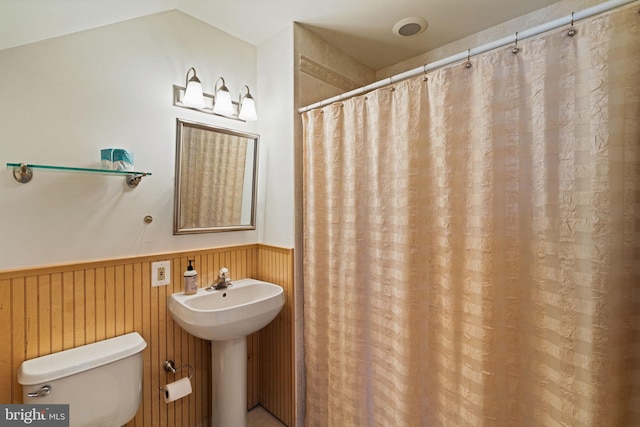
(229, 383)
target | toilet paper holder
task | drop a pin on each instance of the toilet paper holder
(177, 389)
(170, 366)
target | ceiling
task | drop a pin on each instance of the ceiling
(361, 28)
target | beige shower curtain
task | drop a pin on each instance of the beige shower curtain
(472, 242)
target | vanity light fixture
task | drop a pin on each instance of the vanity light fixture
(247, 106)
(222, 103)
(193, 96)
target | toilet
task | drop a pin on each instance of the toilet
(101, 382)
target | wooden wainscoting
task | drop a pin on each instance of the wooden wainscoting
(277, 358)
(48, 309)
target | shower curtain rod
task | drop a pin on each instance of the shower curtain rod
(570, 19)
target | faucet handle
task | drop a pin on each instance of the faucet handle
(223, 274)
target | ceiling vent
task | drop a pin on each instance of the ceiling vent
(408, 27)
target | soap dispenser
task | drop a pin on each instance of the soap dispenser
(190, 280)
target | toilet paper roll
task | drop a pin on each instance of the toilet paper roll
(177, 390)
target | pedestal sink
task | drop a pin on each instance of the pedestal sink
(226, 317)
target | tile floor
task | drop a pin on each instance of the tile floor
(259, 417)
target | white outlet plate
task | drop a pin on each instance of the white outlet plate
(156, 267)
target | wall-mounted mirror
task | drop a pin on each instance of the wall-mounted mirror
(216, 174)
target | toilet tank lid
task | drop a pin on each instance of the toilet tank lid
(75, 360)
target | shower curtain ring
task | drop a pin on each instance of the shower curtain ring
(468, 63)
(572, 32)
(515, 49)
(424, 70)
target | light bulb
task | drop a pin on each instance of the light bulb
(222, 104)
(193, 96)
(248, 109)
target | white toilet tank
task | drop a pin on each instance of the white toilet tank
(101, 382)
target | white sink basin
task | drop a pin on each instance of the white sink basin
(234, 312)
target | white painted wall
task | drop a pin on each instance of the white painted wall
(275, 89)
(63, 99)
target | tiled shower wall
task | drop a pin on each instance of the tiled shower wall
(49, 309)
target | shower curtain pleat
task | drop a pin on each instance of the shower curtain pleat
(472, 242)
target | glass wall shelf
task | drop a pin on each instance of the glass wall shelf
(23, 172)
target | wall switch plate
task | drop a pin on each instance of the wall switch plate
(160, 273)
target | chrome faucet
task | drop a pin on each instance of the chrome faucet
(223, 282)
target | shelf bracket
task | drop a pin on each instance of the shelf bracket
(134, 180)
(22, 173)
